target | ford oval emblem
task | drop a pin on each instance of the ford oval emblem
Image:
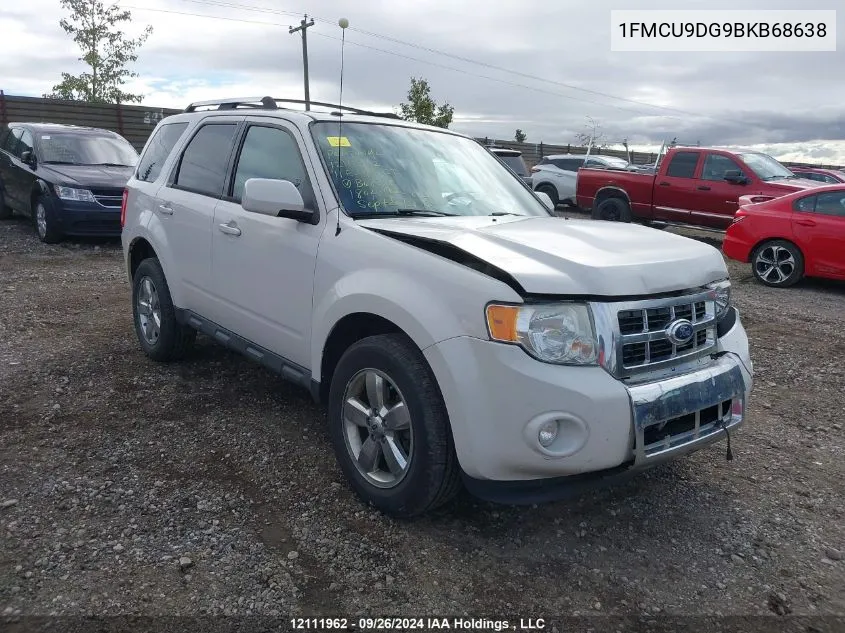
(680, 332)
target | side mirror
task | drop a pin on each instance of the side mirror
(28, 157)
(735, 176)
(547, 201)
(276, 198)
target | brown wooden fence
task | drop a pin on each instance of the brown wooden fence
(136, 123)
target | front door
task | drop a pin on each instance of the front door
(673, 189)
(263, 266)
(818, 224)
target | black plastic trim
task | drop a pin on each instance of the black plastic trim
(287, 369)
(726, 323)
(531, 491)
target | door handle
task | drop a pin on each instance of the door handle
(166, 209)
(806, 222)
(703, 188)
(665, 184)
(230, 228)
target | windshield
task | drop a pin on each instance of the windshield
(388, 169)
(86, 149)
(766, 167)
(516, 163)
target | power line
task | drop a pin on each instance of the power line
(235, 5)
(416, 59)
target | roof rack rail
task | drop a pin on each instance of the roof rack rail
(271, 103)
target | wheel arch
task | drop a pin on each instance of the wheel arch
(139, 249)
(39, 188)
(611, 192)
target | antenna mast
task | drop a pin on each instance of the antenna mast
(342, 23)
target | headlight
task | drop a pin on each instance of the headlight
(723, 296)
(554, 333)
(72, 193)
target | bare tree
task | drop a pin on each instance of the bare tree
(592, 131)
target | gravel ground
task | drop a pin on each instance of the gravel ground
(209, 487)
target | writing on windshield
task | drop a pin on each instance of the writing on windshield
(388, 168)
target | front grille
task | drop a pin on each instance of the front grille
(108, 197)
(644, 343)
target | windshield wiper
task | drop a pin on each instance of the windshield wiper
(109, 165)
(398, 213)
(59, 162)
(502, 213)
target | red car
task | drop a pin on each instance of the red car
(826, 176)
(787, 238)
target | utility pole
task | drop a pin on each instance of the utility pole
(303, 26)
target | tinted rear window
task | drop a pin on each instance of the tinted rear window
(203, 166)
(158, 149)
(516, 163)
(683, 165)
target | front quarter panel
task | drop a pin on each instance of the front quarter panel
(429, 297)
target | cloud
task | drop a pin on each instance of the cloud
(790, 102)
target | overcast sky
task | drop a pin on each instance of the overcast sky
(790, 104)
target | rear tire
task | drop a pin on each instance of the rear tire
(777, 264)
(377, 379)
(46, 225)
(550, 191)
(161, 336)
(612, 210)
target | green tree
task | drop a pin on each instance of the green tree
(422, 108)
(520, 136)
(105, 49)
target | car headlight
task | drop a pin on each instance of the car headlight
(560, 333)
(72, 193)
(723, 296)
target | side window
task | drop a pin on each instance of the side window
(831, 203)
(830, 179)
(158, 149)
(25, 144)
(683, 165)
(569, 164)
(715, 166)
(806, 204)
(270, 152)
(202, 168)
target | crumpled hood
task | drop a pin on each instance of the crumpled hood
(572, 257)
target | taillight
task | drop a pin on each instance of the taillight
(123, 208)
(739, 216)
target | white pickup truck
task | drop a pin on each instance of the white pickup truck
(457, 331)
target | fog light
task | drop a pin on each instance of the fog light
(547, 433)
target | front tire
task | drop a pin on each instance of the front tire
(390, 429)
(612, 210)
(777, 264)
(46, 224)
(161, 336)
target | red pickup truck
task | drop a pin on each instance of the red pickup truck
(693, 185)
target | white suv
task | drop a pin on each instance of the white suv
(455, 338)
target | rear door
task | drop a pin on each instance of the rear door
(674, 187)
(10, 169)
(715, 200)
(818, 224)
(186, 208)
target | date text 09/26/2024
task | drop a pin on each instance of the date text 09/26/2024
(419, 624)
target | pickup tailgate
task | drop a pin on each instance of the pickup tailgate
(638, 188)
